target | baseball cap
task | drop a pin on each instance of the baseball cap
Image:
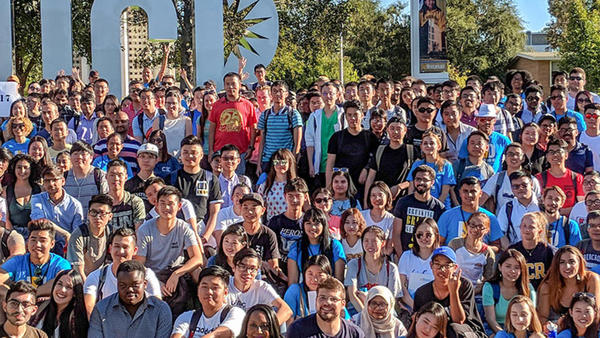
(148, 148)
(13, 78)
(215, 154)
(446, 252)
(254, 196)
(486, 110)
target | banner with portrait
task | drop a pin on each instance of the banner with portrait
(433, 26)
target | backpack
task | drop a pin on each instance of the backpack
(565, 222)
(410, 155)
(101, 281)
(387, 269)
(97, 178)
(140, 119)
(198, 313)
(289, 113)
(76, 121)
(4, 243)
(492, 201)
(573, 177)
(85, 233)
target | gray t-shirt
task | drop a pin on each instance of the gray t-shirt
(388, 276)
(89, 251)
(82, 189)
(162, 251)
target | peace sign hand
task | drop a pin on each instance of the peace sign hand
(454, 281)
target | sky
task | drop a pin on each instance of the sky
(534, 13)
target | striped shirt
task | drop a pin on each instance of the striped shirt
(279, 134)
(128, 154)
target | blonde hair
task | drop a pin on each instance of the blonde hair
(13, 120)
(439, 161)
(541, 223)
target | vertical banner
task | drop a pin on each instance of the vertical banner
(429, 56)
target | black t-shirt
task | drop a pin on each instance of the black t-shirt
(264, 241)
(201, 189)
(414, 136)
(287, 231)
(412, 211)
(394, 164)
(135, 186)
(538, 260)
(352, 152)
(307, 327)
(425, 294)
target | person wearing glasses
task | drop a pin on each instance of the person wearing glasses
(246, 291)
(260, 321)
(87, 247)
(425, 114)
(20, 306)
(558, 98)
(567, 275)
(377, 319)
(582, 318)
(143, 122)
(591, 135)
(327, 321)
(17, 129)
(590, 247)
(580, 157)
(576, 84)
(453, 292)
(214, 318)
(39, 266)
(282, 169)
(582, 99)
(534, 105)
(228, 179)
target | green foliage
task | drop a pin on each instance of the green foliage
(575, 31)
(27, 39)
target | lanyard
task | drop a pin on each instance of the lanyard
(43, 275)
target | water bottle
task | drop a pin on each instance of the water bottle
(552, 329)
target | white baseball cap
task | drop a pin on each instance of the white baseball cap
(487, 110)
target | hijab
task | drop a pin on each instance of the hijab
(384, 327)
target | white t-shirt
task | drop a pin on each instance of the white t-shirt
(579, 214)
(417, 270)
(186, 208)
(233, 321)
(385, 224)
(472, 265)
(505, 193)
(110, 283)
(594, 144)
(259, 293)
(352, 252)
(227, 217)
(518, 211)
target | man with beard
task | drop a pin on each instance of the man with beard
(129, 312)
(19, 307)
(130, 145)
(561, 230)
(412, 209)
(580, 159)
(327, 322)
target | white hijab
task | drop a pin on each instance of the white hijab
(383, 327)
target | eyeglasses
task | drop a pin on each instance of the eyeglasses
(232, 158)
(248, 268)
(532, 98)
(427, 235)
(322, 200)
(344, 170)
(513, 154)
(521, 186)
(565, 130)
(94, 213)
(575, 78)
(557, 97)
(380, 305)
(555, 152)
(422, 179)
(156, 140)
(426, 110)
(14, 304)
(479, 227)
(583, 100)
(280, 162)
(590, 203)
(593, 226)
(444, 267)
(325, 299)
(262, 327)
(591, 116)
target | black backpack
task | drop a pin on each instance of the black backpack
(198, 313)
(4, 243)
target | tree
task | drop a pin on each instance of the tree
(27, 39)
(575, 31)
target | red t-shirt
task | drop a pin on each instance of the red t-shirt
(233, 120)
(566, 184)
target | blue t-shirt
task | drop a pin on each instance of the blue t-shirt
(17, 148)
(443, 177)
(337, 251)
(163, 169)
(556, 233)
(21, 268)
(292, 298)
(454, 219)
(580, 157)
(280, 134)
(339, 206)
(567, 334)
(571, 113)
(101, 162)
(498, 143)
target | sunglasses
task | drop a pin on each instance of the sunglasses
(575, 78)
(344, 170)
(584, 100)
(426, 110)
(280, 162)
(591, 116)
(532, 98)
(322, 200)
(427, 235)
(18, 126)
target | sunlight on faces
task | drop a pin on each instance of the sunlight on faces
(340, 184)
(39, 244)
(148, 101)
(486, 124)
(583, 315)
(315, 103)
(114, 146)
(426, 326)
(36, 150)
(81, 159)
(521, 188)
(313, 229)
(116, 177)
(451, 116)
(351, 226)
(377, 308)
(252, 211)
(172, 104)
(442, 268)
(477, 146)
(568, 265)
(245, 271)
(553, 201)
(19, 308)
(212, 291)
(313, 276)
(52, 184)
(396, 131)
(19, 110)
(295, 199)
(423, 182)
(99, 215)
(258, 325)
(354, 118)
(329, 94)
(477, 227)
(232, 86)
(330, 303)
(63, 161)
(323, 202)
(168, 206)
(279, 94)
(530, 230)
(131, 286)
(430, 145)
(63, 290)
(425, 235)
(191, 155)
(377, 125)
(372, 244)
(514, 157)
(230, 159)
(520, 316)
(23, 170)
(122, 249)
(510, 269)
(378, 198)
(232, 244)
(147, 161)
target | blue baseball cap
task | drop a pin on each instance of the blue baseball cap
(446, 252)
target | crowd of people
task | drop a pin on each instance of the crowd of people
(376, 208)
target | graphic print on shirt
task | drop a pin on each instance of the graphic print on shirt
(414, 217)
(230, 120)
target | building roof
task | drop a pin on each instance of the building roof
(539, 56)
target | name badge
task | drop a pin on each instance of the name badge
(202, 188)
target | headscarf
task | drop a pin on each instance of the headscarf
(384, 327)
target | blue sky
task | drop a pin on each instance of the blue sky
(533, 12)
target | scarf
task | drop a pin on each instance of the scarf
(384, 327)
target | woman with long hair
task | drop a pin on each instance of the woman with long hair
(233, 239)
(64, 315)
(322, 198)
(582, 99)
(282, 168)
(377, 318)
(110, 106)
(174, 124)
(351, 231)
(371, 269)
(343, 192)
(567, 275)
(510, 279)
(25, 175)
(582, 318)
(208, 100)
(429, 321)
(521, 320)
(414, 264)
(379, 201)
(38, 149)
(260, 316)
(315, 240)
(535, 156)
(166, 163)
(517, 80)
(431, 145)
(548, 130)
